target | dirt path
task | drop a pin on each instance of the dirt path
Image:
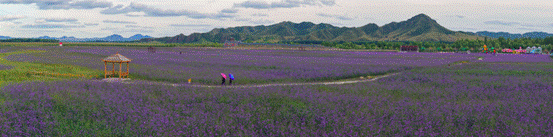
(341, 82)
(254, 86)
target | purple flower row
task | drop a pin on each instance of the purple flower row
(249, 66)
(461, 100)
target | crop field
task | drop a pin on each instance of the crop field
(203, 66)
(433, 94)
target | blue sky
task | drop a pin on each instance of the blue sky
(158, 18)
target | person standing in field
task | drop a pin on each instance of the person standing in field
(231, 79)
(224, 77)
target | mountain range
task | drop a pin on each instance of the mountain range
(514, 36)
(111, 38)
(4, 37)
(418, 28)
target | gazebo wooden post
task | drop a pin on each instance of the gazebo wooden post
(120, 70)
(112, 68)
(127, 69)
(105, 68)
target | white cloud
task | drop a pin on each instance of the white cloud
(119, 22)
(283, 4)
(255, 21)
(135, 14)
(138, 27)
(51, 26)
(497, 22)
(61, 4)
(127, 30)
(340, 17)
(11, 17)
(260, 15)
(190, 25)
(155, 12)
(60, 19)
(91, 24)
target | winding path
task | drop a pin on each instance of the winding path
(254, 86)
(265, 85)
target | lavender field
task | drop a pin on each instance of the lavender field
(435, 95)
(203, 65)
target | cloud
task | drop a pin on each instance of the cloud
(464, 28)
(125, 30)
(40, 21)
(229, 11)
(455, 16)
(61, 4)
(190, 25)
(252, 21)
(262, 21)
(119, 22)
(260, 15)
(139, 27)
(135, 14)
(535, 25)
(51, 26)
(338, 24)
(91, 24)
(340, 17)
(242, 19)
(283, 4)
(11, 17)
(497, 22)
(155, 12)
(60, 20)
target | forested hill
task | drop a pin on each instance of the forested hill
(514, 36)
(418, 28)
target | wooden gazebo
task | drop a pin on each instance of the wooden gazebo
(116, 58)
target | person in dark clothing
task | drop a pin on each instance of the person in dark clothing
(224, 77)
(231, 79)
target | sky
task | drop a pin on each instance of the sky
(160, 18)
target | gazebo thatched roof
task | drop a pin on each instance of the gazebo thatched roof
(116, 58)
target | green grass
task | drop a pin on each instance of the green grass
(29, 71)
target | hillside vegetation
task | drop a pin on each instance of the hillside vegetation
(418, 28)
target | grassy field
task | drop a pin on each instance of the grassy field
(435, 95)
(27, 71)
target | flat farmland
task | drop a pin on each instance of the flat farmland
(434, 94)
(204, 65)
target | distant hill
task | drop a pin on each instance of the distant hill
(418, 28)
(111, 38)
(514, 36)
(4, 37)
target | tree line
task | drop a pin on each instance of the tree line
(431, 46)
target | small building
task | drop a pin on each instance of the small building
(409, 48)
(113, 59)
(231, 43)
